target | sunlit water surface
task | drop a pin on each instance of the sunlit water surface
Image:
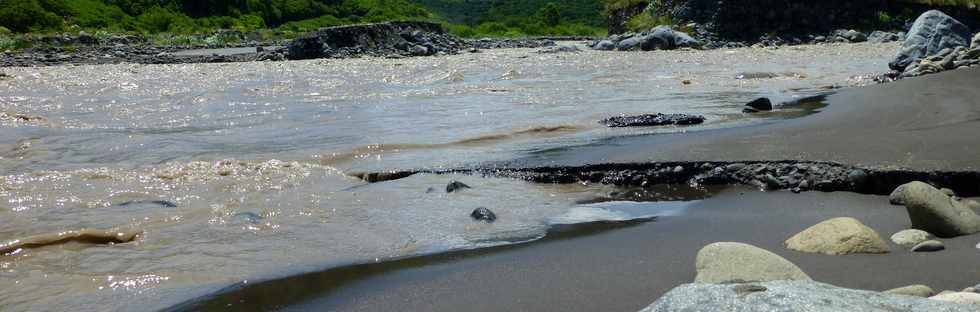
(253, 156)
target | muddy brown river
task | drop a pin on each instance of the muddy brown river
(240, 172)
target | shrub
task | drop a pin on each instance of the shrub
(28, 15)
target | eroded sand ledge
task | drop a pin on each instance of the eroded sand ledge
(91, 236)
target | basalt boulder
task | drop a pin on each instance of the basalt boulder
(932, 32)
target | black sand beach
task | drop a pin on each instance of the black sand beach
(928, 123)
(626, 269)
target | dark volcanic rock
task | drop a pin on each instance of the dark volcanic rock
(883, 36)
(653, 120)
(932, 32)
(456, 186)
(483, 214)
(382, 39)
(760, 104)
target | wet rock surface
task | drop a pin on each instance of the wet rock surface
(760, 104)
(454, 186)
(652, 120)
(483, 214)
(792, 296)
(785, 175)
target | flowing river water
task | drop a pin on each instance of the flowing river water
(239, 172)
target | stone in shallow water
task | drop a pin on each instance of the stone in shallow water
(760, 104)
(653, 120)
(792, 296)
(483, 214)
(455, 186)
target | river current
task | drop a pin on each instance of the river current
(241, 172)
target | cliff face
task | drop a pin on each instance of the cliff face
(743, 19)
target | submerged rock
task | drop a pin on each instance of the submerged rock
(455, 186)
(838, 236)
(910, 238)
(653, 120)
(933, 211)
(932, 32)
(737, 262)
(913, 290)
(792, 296)
(929, 246)
(483, 214)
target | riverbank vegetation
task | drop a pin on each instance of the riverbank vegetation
(286, 18)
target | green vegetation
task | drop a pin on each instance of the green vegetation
(198, 16)
(517, 18)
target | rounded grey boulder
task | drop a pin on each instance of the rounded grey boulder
(728, 262)
(933, 211)
(932, 32)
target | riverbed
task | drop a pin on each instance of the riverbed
(241, 172)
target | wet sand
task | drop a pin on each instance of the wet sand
(927, 123)
(626, 269)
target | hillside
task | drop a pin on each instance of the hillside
(464, 17)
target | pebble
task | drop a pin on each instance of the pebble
(929, 246)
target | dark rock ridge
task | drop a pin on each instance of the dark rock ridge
(770, 175)
(652, 120)
(382, 39)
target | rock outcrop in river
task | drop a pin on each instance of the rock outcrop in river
(382, 39)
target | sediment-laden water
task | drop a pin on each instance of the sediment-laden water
(236, 172)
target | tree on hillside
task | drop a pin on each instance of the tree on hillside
(550, 14)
